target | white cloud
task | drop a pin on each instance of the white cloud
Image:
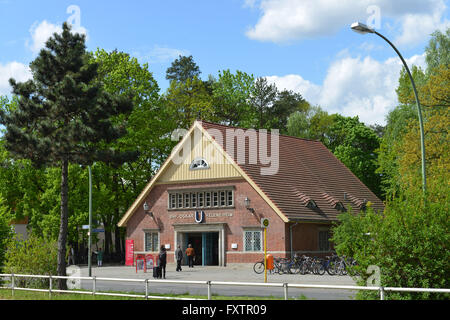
(41, 32)
(294, 82)
(289, 20)
(353, 86)
(159, 54)
(16, 70)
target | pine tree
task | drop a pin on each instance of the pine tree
(63, 115)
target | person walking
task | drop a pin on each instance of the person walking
(190, 252)
(162, 260)
(179, 257)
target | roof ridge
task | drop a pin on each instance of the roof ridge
(257, 130)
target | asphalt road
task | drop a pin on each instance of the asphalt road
(230, 273)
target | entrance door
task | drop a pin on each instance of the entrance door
(206, 247)
(195, 239)
(211, 248)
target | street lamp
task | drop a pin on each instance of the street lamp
(363, 29)
(247, 205)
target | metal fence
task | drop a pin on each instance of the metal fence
(208, 285)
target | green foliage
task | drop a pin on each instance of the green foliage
(408, 242)
(6, 232)
(231, 94)
(33, 256)
(182, 69)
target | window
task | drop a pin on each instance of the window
(187, 200)
(201, 199)
(151, 241)
(194, 200)
(324, 243)
(180, 200)
(207, 199)
(199, 163)
(252, 240)
(172, 201)
(222, 199)
(229, 198)
(215, 199)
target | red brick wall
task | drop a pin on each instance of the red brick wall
(242, 218)
(305, 235)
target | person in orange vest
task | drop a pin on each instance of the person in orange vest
(190, 254)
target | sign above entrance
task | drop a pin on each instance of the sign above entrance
(206, 215)
(199, 216)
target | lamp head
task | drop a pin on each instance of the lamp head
(361, 28)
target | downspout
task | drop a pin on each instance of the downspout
(290, 236)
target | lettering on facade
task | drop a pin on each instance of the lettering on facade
(207, 215)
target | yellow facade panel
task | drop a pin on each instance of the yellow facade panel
(196, 148)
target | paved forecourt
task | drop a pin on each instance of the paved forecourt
(230, 273)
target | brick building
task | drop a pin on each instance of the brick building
(219, 182)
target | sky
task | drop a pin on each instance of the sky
(305, 46)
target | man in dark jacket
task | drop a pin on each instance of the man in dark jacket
(179, 257)
(162, 260)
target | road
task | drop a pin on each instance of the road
(231, 273)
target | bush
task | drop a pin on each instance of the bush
(35, 256)
(408, 242)
(6, 235)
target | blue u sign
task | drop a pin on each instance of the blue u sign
(199, 216)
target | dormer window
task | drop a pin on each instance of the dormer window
(312, 204)
(340, 207)
(198, 164)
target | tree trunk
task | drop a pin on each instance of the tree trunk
(62, 238)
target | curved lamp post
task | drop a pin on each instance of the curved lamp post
(363, 29)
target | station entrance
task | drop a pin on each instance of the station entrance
(206, 247)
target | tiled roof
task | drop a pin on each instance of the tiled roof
(308, 173)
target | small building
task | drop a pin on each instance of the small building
(219, 183)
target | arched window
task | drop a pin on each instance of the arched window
(199, 163)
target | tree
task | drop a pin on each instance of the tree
(182, 69)
(63, 116)
(262, 98)
(286, 103)
(231, 98)
(355, 145)
(188, 101)
(408, 242)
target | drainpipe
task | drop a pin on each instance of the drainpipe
(290, 236)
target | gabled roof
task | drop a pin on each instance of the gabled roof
(307, 171)
(308, 184)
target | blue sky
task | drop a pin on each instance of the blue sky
(301, 45)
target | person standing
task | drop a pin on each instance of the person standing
(162, 260)
(99, 257)
(179, 257)
(71, 256)
(190, 252)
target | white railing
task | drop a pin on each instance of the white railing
(208, 284)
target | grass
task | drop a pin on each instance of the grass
(33, 295)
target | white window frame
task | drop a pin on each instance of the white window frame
(253, 231)
(151, 231)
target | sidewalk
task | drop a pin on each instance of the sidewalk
(232, 272)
